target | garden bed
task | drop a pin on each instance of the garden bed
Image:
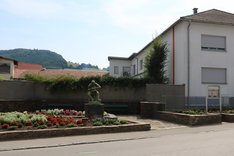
(54, 123)
(58, 132)
(190, 119)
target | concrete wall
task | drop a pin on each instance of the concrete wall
(173, 96)
(25, 95)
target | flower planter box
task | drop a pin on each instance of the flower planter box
(187, 119)
(59, 132)
(226, 117)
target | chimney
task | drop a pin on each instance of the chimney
(195, 10)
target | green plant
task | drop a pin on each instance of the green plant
(71, 125)
(155, 61)
(123, 122)
(116, 122)
(97, 123)
(1, 78)
(12, 127)
(42, 127)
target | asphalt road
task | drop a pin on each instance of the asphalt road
(200, 141)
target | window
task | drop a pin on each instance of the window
(141, 64)
(126, 71)
(134, 69)
(214, 75)
(116, 70)
(213, 43)
(5, 68)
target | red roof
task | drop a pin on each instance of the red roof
(19, 73)
(21, 65)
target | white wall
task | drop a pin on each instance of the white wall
(136, 60)
(199, 58)
(120, 64)
(213, 59)
(180, 53)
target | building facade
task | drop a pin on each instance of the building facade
(6, 68)
(200, 54)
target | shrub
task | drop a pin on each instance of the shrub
(155, 62)
(70, 83)
(97, 123)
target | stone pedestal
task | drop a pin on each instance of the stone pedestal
(149, 109)
(93, 111)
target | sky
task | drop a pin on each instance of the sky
(88, 31)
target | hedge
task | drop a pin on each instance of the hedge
(71, 83)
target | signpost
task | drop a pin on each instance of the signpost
(213, 93)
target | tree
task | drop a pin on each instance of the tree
(156, 61)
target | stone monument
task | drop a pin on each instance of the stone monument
(94, 108)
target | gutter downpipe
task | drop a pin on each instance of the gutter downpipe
(188, 81)
(173, 55)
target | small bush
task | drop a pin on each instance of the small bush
(97, 123)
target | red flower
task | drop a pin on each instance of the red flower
(4, 126)
(28, 123)
(15, 123)
(40, 123)
(49, 124)
(79, 121)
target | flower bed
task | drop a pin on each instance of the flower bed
(41, 124)
(51, 119)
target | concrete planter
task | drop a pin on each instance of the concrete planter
(227, 117)
(191, 120)
(59, 132)
(148, 109)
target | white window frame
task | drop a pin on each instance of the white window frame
(210, 46)
(116, 70)
(141, 64)
(126, 72)
(204, 79)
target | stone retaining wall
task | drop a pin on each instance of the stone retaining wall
(191, 120)
(58, 132)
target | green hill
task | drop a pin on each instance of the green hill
(46, 58)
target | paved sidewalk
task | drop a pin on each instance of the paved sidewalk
(156, 125)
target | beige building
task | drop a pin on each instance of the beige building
(7, 68)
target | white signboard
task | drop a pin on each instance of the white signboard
(213, 92)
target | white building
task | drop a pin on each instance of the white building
(201, 54)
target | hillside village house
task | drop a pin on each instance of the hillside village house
(7, 67)
(201, 54)
(12, 69)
